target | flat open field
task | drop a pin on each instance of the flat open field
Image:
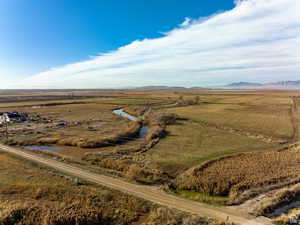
(190, 143)
(98, 100)
(186, 130)
(270, 116)
(221, 123)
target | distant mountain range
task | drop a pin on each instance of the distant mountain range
(145, 88)
(275, 85)
(236, 85)
(286, 83)
(244, 84)
(174, 88)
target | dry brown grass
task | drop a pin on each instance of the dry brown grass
(232, 175)
(85, 140)
(48, 140)
(155, 118)
(95, 142)
(87, 126)
(108, 163)
(34, 196)
(185, 143)
(136, 110)
(139, 174)
(76, 113)
(163, 216)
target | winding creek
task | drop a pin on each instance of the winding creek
(120, 112)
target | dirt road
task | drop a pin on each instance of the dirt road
(145, 192)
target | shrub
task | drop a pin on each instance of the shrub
(159, 118)
(154, 132)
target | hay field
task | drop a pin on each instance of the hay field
(258, 115)
(121, 99)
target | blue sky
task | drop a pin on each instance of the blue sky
(96, 44)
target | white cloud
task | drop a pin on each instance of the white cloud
(186, 22)
(258, 40)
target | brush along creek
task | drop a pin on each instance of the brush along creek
(144, 129)
(120, 112)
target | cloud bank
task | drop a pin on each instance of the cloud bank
(258, 40)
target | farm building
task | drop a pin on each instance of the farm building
(11, 117)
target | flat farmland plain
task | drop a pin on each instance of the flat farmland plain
(237, 136)
(258, 115)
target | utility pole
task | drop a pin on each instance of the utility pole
(6, 129)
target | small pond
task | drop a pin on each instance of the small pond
(143, 131)
(40, 147)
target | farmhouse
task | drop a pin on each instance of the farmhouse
(12, 117)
